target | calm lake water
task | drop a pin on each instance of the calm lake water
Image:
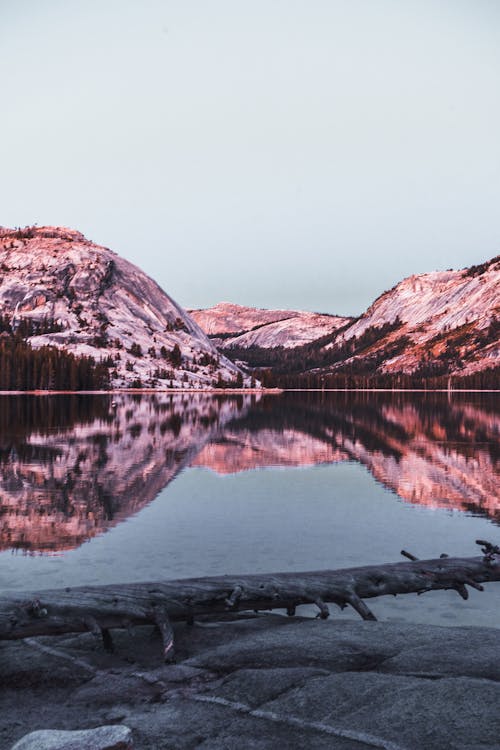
(169, 486)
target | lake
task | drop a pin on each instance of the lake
(119, 488)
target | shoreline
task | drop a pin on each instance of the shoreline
(242, 391)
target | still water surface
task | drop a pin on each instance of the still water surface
(168, 486)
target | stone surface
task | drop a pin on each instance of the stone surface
(101, 738)
(264, 682)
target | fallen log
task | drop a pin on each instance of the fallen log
(99, 609)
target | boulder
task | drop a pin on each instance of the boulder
(102, 738)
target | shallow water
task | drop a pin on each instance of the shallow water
(172, 486)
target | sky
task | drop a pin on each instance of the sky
(302, 154)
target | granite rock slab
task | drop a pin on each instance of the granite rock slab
(264, 682)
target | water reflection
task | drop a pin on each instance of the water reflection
(72, 466)
(430, 449)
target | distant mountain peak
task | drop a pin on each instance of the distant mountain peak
(244, 327)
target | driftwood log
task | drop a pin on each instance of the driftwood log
(100, 608)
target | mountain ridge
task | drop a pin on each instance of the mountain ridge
(60, 290)
(442, 323)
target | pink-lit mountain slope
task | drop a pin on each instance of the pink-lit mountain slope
(70, 293)
(232, 325)
(436, 324)
(449, 319)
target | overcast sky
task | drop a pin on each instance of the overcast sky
(305, 154)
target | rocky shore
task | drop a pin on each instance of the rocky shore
(262, 682)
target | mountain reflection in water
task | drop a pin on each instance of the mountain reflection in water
(73, 466)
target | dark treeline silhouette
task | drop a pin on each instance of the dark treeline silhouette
(24, 368)
(485, 380)
(482, 267)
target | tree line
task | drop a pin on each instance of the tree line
(332, 362)
(47, 368)
(488, 379)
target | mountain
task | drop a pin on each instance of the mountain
(433, 325)
(231, 326)
(446, 321)
(57, 288)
